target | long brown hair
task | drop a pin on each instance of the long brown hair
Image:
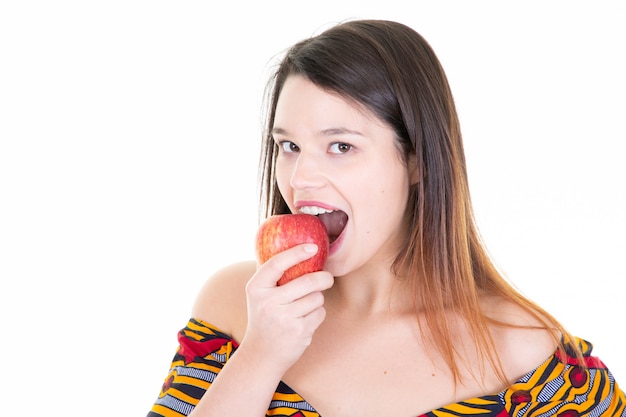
(392, 70)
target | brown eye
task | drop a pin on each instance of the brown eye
(289, 147)
(340, 147)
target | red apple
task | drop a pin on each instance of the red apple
(283, 231)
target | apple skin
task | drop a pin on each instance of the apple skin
(283, 231)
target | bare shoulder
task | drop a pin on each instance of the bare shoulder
(525, 343)
(222, 299)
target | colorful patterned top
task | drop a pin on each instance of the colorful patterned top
(558, 387)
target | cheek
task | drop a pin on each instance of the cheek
(387, 180)
(283, 176)
(390, 192)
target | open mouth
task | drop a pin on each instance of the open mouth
(334, 220)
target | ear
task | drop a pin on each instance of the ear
(414, 174)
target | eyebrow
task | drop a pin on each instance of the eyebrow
(333, 131)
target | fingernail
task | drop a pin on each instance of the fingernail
(310, 248)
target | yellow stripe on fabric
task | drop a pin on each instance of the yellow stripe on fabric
(165, 412)
(601, 387)
(203, 326)
(464, 409)
(443, 413)
(193, 335)
(483, 401)
(542, 373)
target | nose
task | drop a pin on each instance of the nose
(307, 172)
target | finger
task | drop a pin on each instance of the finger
(304, 327)
(306, 284)
(305, 305)
(313, 320)
(271, 271)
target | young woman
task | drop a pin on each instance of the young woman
(409, 317)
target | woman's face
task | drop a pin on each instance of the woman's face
(336, 156)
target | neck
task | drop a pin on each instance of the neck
(370, 291)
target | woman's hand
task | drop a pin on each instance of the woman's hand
(282, 319)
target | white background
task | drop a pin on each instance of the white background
(129, 138)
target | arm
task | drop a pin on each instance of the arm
(259, 313)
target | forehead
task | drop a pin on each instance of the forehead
(301, 100)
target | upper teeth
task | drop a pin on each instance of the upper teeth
(314, 210)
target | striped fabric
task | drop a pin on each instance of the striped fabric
(559, 387)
